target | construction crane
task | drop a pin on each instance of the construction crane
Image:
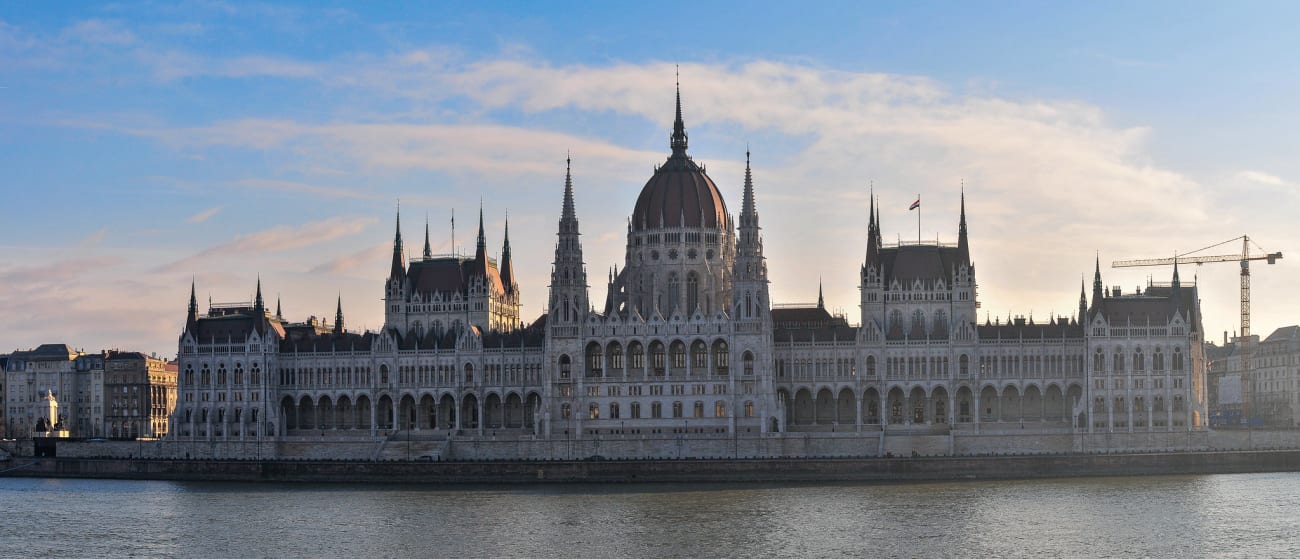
(1244, 258)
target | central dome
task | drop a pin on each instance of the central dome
(679, 194)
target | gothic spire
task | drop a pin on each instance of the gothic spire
(428, 249)
(507, 267)
(398, 270)
(278, 314)
(568, 296)
(258, 305)
(480, 253)
(963, 245)
(1096, 283)
(192, 318)
(567, 213)
(879, 243)
(748, 211)
(1083, 301)
(821, 301)
(678, 141)
(338, 316)
(873, 232)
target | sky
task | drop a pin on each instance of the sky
(148, 145)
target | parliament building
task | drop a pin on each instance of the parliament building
(688, 356)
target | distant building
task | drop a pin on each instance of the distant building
(139, 394)
(1273, 380)
(54, 377)
(4, 409)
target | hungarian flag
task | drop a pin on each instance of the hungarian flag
(914, 205)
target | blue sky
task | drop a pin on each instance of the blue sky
(146, 144)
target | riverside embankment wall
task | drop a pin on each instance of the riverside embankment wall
(824, 470)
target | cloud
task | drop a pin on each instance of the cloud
(204, 215)
(276, 239)
(355, 260)
(1262, 178)
(302, 188)
(99, 32)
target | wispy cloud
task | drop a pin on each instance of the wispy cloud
(355, 260)
(205, 214)
(303, 188)
(1262, 178)
(99, 32)
(276, 239)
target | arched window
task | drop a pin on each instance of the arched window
(189, 375)
(896, 321)
(692, 292)
(749, 305)
(1118, 362)
(1178, 360)
(221, 374)
(469, 373)
(239, 373)
(678, 352)
(749, 408)
(699, 356)
(636, 410)
(566, 366)
(566, 412)
(719, 409)
(699, 409)
(656, 410)
(748, 364)
(964, 364)
(1099, 361)
(721, 357)
(636, 355)
(594, 360)
(383, 374)
(657, 357)
(871, 365)
(613, 410)
(940, 323)
(677, 410)
(918, 323)
(1139, 360)
(1158, 361)
(615, 357)
(674, 293)
(593, 411)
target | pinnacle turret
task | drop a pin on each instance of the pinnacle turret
(1096, 283)
(507, 267)
(963, 244)
(428, 249)
(338, 317)
(398, 270)
(678, 140)
(192, 318)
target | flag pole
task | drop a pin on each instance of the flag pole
(918, 218)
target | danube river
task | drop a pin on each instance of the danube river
(1252, 515)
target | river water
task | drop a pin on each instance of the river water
(1250, 515)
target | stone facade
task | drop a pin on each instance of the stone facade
(1272, 383)
(689, 357)
(54, 376)
(139, 394)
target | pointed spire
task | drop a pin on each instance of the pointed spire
(338, 316)
(678, 141)
(278, 314)
(480, 253)
(1096, 282)
(1176, 284)
(398, 270)
(257, 301)
(873, 231)
(507, 267)
(567, 212)
(192, 317)
(963, 245)
(821, 301)
(428, 249)
(748, 209)
(1083, 299)
(879, 242)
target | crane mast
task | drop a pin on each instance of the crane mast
(1245, 349)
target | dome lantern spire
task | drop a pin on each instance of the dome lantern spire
(678, 141)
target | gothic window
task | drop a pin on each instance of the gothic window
(566, 411)
(594, 358)
(749, 305)
(674, 293)
(383, 374)
(1118, 362)
(613, 410)
(221, 374)
(636, 355)
(239, 374)
(593, 411)
(636, 410)
(699, 356)
(720, 409)
(1158, 361)
(656, 410)
(871, 365)
(565, 366)
(677, 410)
(940, 323)
(205, 376)
(1098, 362)
(964, 363)
(615, 356)
(721, 357)
(469, 373)
(896, 320)
(748, 360)
(679, 355)
(1178, 360)
(1139, 360)
(565, 306)
(189, 375)
(749, 409)
(692, 292)
(657, 357)
(699, 409)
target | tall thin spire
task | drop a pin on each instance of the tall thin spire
(821, 301)
(1083, 300)
(480, 252)
(428, 249)
(338, 316)
(507, 267)
(257, 301)
(398, 270)
(963, 244)
(873, 231)
(568, 212)
(748, 209)
(192, 317)
(278, 314)
(678, 141)
(1096, 282)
